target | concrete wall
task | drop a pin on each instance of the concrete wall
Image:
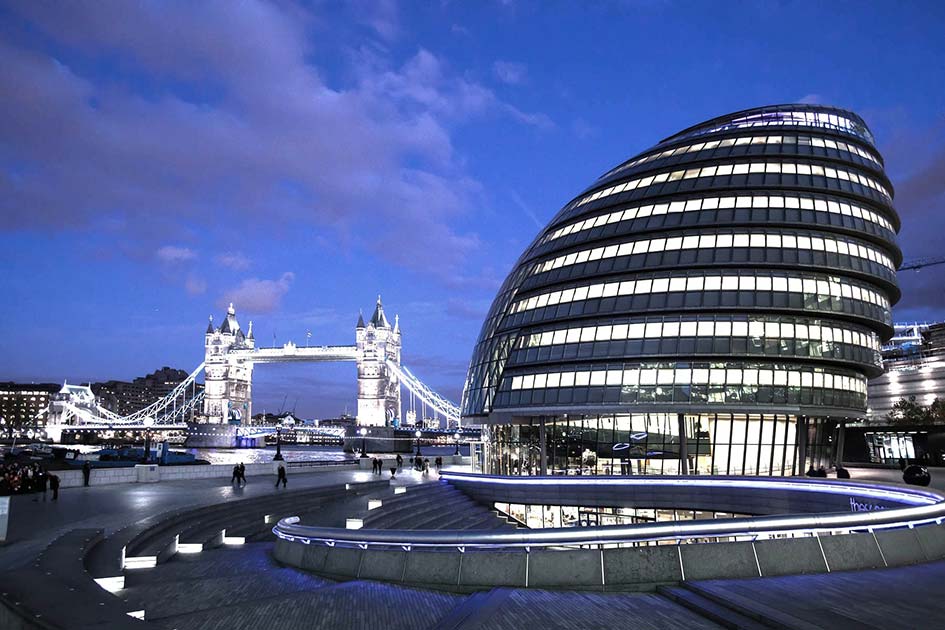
(632, 568)
(152, 473)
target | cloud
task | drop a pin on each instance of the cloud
(171, 254)
(195, 285)
(221, 106)
(510, 72)
(526, 209)
(811, 99)
(233, 260)
(258, 296)
(582, 129)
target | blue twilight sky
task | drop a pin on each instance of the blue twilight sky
(160, 159)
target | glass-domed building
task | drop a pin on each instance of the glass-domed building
(713, 305)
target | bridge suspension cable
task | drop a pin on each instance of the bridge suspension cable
(425, 394)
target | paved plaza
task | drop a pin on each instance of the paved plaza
(243, 587)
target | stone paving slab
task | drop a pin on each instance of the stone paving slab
(553, 610)
(351, 605)
(905, 597)
(165, 599)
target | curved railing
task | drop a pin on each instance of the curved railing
(911, 507)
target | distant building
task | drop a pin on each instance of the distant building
(125, 398)
(22, 403)
(914, 360)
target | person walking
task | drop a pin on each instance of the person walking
(426, 466)
(236, 474)
(439, 463)
(281, 476)
(243, 473)
(87, 472)
(400, 461)
(54, 486)
(42, 482)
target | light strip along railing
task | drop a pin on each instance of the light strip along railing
(424, 393)
(924, 507)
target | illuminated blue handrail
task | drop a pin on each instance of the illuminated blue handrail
(920, 507)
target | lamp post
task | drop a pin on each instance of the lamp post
(278, 456)
(362, 431)
(456, 437)
(417, 433)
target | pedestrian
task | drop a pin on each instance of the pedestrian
(439, 463)
(400, 461)
(243, 473)
(281, 476)
(426, 465)
(42, 481)
(236, 474)
(54, 486)
(377, 466)
(87, 472)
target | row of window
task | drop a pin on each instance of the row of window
(648, 374)
(695, 283)
(715, 202)
(811, 141)
(568, 398)
(740, 168)
(778, 240)
(823, 120)
(758, 328)
(662, 347)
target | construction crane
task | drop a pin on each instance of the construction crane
(918, 263)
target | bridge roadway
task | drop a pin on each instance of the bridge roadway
(243, 587)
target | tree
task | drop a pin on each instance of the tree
(911, 412)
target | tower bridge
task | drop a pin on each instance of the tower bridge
(230, 356)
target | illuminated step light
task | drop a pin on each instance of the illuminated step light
(189, 547)
(347, 486)
(140, 562)
(137, 614)
(400, 490)
(111, 584)
(231, 540)
(373, 504)
(268, 519)
(354, 523)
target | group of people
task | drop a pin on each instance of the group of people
(239, 474)
(377, 466)
(420, 464)
(23, 478)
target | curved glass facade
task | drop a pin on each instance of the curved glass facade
(743, 268)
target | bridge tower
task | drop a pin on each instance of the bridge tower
(378, 387)
(228, 378)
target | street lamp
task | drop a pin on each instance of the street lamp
(456, 437)
(417, 433)
(363, 432)
(278, 456)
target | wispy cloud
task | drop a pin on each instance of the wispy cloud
(254, 295)
(172, 254)
(233, 260)
(526, 209)
(510, 72)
